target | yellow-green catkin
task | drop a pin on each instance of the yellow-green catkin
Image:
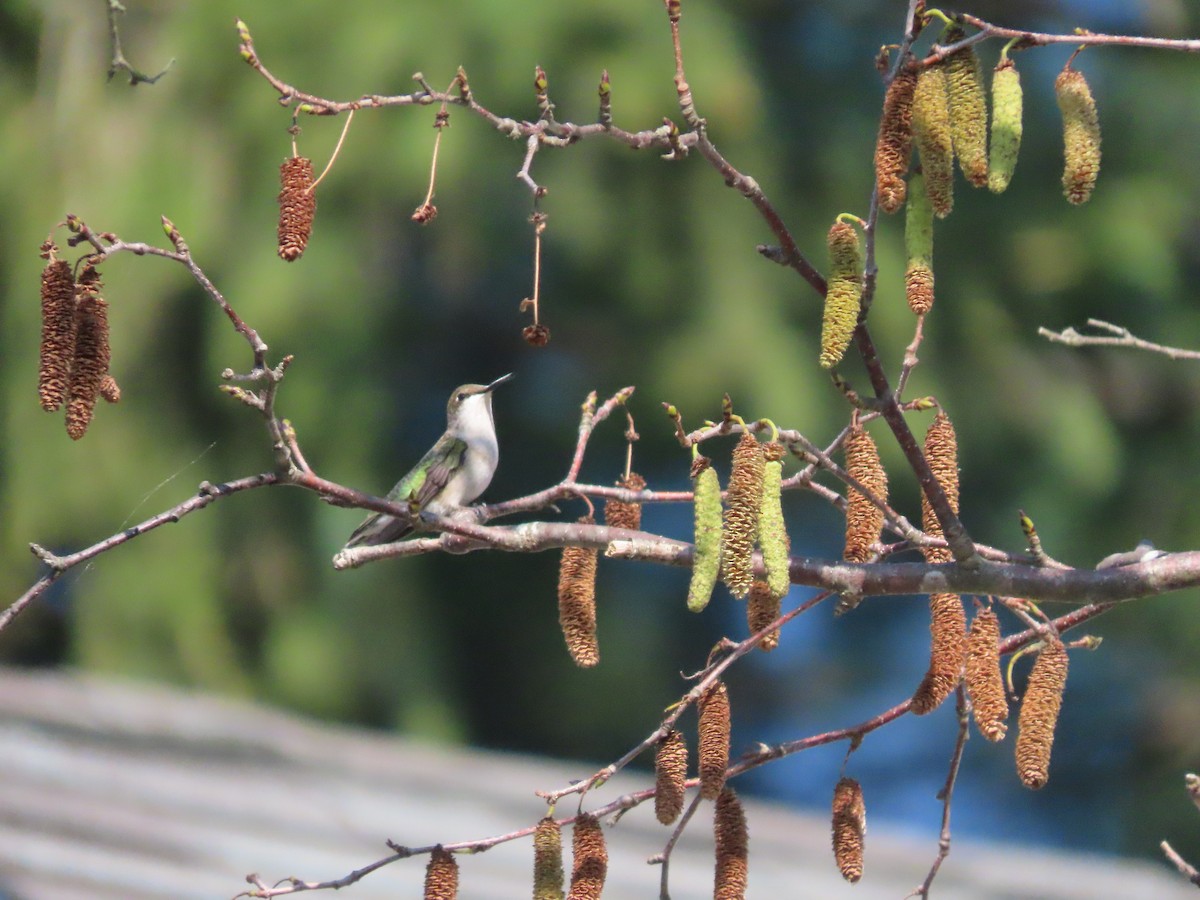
(918, 246)
(843, 293)
(590, 865)
(931, 133)
(732, 845)
(864, 519)
(1006, 125)
(985, 682)
(547, 860)
(893, 147)
(58, 331)
(441, 875)
(670, 773)
(772, 530)
(1081, 135)
(849, 828)
(744, 499)
(1039, 715)
(968, 109)
(713, 740)
(706, 557)
(577, 602)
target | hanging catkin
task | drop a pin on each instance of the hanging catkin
(762, 608)
(918, 247)
(893, 147)
(744, 498)
(441, 876)
(590, 864)
(624, 513)
(773, 538)
(297, 206)
(706, 557)
(732, 840)
(931, 132)
(1039, 714)
(1006, 125)
(985, 682)
(92, 353)
(849, 828)
(948, 619)
(713, 733)
(863, 518)
(968, 109)
(843, 293)
(670, 772)
(1081, 135)
(577, 602)
(547, 860)
(58, 332)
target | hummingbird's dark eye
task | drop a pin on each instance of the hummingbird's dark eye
(462, 395)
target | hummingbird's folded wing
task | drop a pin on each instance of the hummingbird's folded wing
(421, 485)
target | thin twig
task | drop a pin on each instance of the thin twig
(1120, 337)
(119, 63)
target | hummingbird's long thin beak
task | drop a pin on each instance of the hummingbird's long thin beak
(499, 381)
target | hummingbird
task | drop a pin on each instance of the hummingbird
(455, 470)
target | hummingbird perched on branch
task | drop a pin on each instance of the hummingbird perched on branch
(455, 470)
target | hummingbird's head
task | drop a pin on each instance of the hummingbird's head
(470, 401)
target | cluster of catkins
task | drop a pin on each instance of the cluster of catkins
(75, 353)
(941, 108)
(725, 538)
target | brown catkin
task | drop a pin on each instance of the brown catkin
(941, 450)
(968, 109)
(670, 772)
(948, 646)
(441, 875)
(849, 828)
(623, 514)
(1039, 714)
(893, 147)
(985, 682)
(547, 860)
(843, 293)
(732, 841)
(110, 390)
(947, 618)
(744, 498)
(762, 608)
(577, 602)
(713, 734)
(931, 133)
(863, 518)
(590, 863)
(1081, 135)
(58, 333)
(92, 354)
(297, 206)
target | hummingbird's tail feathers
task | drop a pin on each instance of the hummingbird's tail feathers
(379, 528)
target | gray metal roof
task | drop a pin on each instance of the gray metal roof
(114, 789)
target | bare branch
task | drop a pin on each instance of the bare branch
(1117, 337)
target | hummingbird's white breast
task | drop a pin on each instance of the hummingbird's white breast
(476, 428)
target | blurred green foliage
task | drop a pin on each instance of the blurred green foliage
(651, 278)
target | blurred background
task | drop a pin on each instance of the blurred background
(650, 278)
